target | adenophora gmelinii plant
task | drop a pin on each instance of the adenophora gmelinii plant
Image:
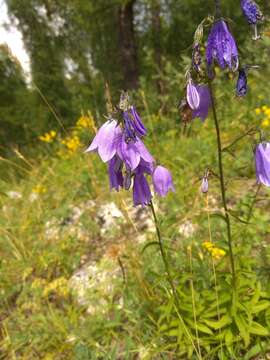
(221, 50)
(119, 144)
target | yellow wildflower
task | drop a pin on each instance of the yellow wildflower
(86, 122)
(48, 137)
(39, 189)
(72, 143)
(58, 286)
(266, 122)
(213, 250)
(258, 111)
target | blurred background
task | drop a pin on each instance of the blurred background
(65, 52)
(78, 279)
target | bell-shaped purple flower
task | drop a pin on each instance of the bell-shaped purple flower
(132, 152)
(115, 166)
(241, 86)
(204, 185)
(141, 190)
(162, 180)
(138, 125)
(262, 162)
(107, 140)
(205, 102)
(251, 11)
(192, 95)
(221, 47)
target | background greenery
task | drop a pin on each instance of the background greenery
(54, 197)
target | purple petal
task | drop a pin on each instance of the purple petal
(193, 98)
(144, 153)
(205, 102)
(262, 161)
(106, 140)
(115, 173)
(137, 122)
(162, 181)
(141, 191)
(128, 153)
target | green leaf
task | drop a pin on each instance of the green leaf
(224, 320)
(201, 327)
(262, 305)
(152, 243)
(243, 329)
(229, 340)
(258, 329)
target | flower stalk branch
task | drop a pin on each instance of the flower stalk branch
(222, 184)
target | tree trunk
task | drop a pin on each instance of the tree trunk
(156, 39)
(127, 45)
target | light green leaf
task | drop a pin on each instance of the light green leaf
(243, 329)
(225, 320)
(258, 329)
(262, 305)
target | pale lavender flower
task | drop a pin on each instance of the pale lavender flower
(262, 162)
(192, 95)
(106, 140)
(132, 152)
(205, 102)
(221, 47)
(162, 180)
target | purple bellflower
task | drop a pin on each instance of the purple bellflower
(251, 11)
(192, 95)
(132, 152)
(262, 162)
(106, 140)
(221, 47)
(162, 180)
(241, 86)
(133, 124)
(205, 102)
(253, 15)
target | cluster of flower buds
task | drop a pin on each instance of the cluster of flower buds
(119, 144)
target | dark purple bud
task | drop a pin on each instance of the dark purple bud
(115, 173)
(241, 86)
(137, 122)
(221, 47)
(251, 11)
(262, 162)
(127, 180)
(162, 180)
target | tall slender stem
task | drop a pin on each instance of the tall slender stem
(170, 279)
(218, 9)
(163, 255)
(222, 183)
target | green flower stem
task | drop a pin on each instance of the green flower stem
(170, 279)
(222, 183)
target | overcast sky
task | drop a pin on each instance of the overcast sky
(13, 38)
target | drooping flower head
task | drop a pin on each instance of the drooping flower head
(221, 47)
(241, 86)
(141, 190)
(162, 180)
(251, 11)
(116, 179)
(262, 163)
